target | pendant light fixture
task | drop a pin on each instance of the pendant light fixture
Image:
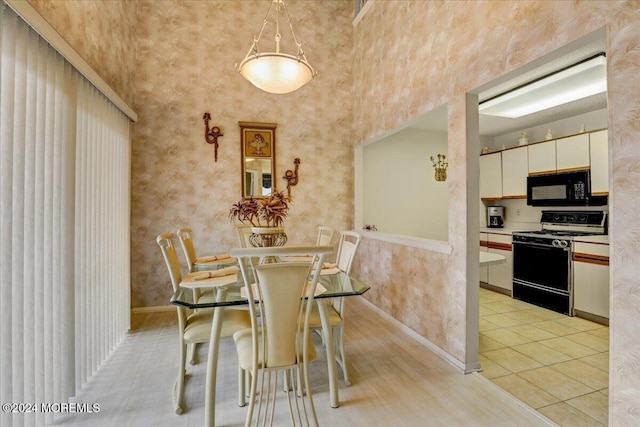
(276, 72)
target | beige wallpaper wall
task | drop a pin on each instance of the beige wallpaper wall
(410, 56)
(417, 55)
(101, 32)
(186, 52)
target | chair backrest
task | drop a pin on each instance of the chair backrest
(165, 241)
(244, 231)
(325, 236)
(186, 241)
(281, 288)
(347, 248)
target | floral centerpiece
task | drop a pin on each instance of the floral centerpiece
(266, 216)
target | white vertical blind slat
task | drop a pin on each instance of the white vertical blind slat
(64, 218)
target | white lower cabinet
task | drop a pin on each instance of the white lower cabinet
(591, 278)
(500, 275)
(484, 271)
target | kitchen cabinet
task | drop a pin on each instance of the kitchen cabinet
(572, 153)
(491, 176)
(599, 153)
(591, 279)
(484, 271)
(542, 157)
(500, 275)
(514, 173)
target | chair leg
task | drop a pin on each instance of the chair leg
(178, 391)
(193, 353)
(340, 355)
(242, 395)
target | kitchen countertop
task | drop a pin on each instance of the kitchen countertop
(602, 239)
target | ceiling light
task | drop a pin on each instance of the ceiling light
(576, 82)
(276, 72)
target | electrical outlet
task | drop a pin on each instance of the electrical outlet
(517, 212)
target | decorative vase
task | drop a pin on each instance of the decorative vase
(441, 174)
(264, 237)
(524, 140)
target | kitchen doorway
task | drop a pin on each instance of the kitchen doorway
(518, 338)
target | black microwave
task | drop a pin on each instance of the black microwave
(562, 189)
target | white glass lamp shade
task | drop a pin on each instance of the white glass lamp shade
(277, 73)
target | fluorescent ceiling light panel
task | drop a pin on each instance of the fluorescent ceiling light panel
(571, 84)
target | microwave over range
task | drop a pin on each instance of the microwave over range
(562, 189)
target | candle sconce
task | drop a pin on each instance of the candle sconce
(211, 135)
(292, 176)
(440, 166)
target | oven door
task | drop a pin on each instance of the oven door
(542, 265)
(542, 276)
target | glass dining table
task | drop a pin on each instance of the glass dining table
(225, 292)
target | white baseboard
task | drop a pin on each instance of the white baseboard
(153, 309)
(422, 340)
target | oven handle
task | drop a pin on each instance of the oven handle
(542, 245)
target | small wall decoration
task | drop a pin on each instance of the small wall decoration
(441, 167)
(292, 176)
(211, 135)
(258, 155)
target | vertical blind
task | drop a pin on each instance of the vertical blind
(64, 224)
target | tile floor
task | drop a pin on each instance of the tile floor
(557, 364)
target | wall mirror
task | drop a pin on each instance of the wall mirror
(258, 142)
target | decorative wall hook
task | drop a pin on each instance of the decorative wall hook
(292, 176)
(441, 167)
(211, 136)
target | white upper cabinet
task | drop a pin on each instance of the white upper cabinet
(572, 153)
(599, 148)
(514, 173)
(542, 157)
(491, 176)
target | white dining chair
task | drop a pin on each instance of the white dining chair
(279, 339)
(347, 248)
(195, 263)
(194, 328)
(325, 236)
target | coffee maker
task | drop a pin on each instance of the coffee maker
(495, 216)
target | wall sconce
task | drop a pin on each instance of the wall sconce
(211, 135)
(292, 176)
(441, 167)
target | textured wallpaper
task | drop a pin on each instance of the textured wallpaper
(101, 32)
(415, 56)
(186, 52)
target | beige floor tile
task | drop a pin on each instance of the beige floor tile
(503, 320)
(486, 325)
(507, 337)
(487, 344)
(517, 304)
(555, 328)
(568, 347)
(484, 311)
(547, 314)
(529, 393)
(500, 307)
(527, 316)
(491, 369)
(600, 333)
(542, 353)
(594, 404)
(532, 332)
(556, 383)
(600, 361)
(512, 360)
(586, 374)
(605, 392)
(591, 341)
(567, 416)
(579, 323)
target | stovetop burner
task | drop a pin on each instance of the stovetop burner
(569, 224)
